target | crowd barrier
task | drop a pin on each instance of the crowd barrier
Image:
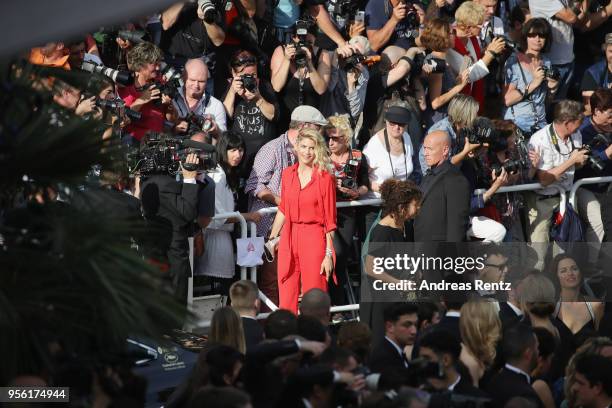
(376, 202)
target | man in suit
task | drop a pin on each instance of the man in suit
(593, 383)
(401, 321)
(441, 347)
(316, 303)
(174, 204)
(243, 295)
(446, 195)
(520, 349)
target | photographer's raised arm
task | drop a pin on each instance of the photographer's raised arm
(279, 66)
(319, 13)
(170, 15)
(319, 77)
(577, 158)
(403, 66)
(215, 33)
(378, 38)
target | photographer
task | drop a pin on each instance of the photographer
(300, 72)
(346, 92)
(467, 53)
(217, 260)
(143, 96)
(351, 172)
(193, 103)
(559, 146)
(175, 205)
(493, 26)
(530, 78)
(190, 30)
(599, 75)
(391, 22)
(251, 105)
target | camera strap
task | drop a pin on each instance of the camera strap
(531, 102)
(555, 140)
(388, 146)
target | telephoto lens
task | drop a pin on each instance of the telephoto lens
(209, 10)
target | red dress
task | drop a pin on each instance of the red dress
(310, 213)
(477, 89)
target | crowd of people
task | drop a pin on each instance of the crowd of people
(429, 106)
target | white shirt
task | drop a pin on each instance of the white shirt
(458, 63)
(380, 166)
(562, 45)
(453, 385)
(515, 309)
(550, 157)
(453, 313)
(224, 199)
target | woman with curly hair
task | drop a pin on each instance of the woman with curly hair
(401, 200)
(480, 329)
(307, 211)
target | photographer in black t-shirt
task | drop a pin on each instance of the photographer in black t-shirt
(190, 30)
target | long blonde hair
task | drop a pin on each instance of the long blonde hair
(226, 328)
(480, 329)
(322, 159)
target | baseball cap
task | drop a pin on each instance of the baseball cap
(308, 114)
(398, 114)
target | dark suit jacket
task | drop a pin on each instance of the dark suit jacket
(253, 332)
(450, 323)
(464, 387)
(507, 315)
(507, 384)
(446, 206)
(384, 357)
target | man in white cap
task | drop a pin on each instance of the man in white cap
(263, 185)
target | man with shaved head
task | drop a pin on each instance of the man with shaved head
(192, 99)
(446, 195)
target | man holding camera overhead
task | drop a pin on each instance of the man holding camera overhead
(190, 30)
(391, 22)
(196, 109)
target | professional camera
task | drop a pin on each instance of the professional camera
(135, 37)
(349, 180)
(117, 106)
(551, 73)
(438, 65)
(249, 82)
(481, 132)
(520, 162)
(160, 153)
(209, 10)
(346, 9)
(301, 31)
(171, 80)
(198, 123)
(508, 42)
(124, 78)
(594, 145)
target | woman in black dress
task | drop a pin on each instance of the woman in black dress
(401, 201)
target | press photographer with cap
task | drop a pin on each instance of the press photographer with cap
(390, 154)
(264, 184)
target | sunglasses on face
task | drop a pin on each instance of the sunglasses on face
(532, 35)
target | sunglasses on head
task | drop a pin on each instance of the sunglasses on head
(244, 60)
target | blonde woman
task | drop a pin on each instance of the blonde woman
(307, 210)
(480, 331)
(226, 329)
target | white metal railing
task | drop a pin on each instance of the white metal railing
(376, 202)
(581, 182)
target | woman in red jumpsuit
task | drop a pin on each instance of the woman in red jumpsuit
(307, 216)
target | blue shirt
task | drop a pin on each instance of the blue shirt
(588, 132)
(522, 113)
(377, 13)
(285, 14)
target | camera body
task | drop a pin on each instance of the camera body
(249, 82)
(481, 132)
(198, 123)
(508, 42)
(348, 178)
(170, 81)
(351, 62)
(301, 32)
(117, 107)
(438, 65)
(135, 37)
(595, 161)
(346, 9)
(551, 73)
(160, 153)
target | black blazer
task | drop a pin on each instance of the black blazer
(384, 357)
(507, 315)
(253, 332)
(507, 384)
(464, 387)
(446, 206)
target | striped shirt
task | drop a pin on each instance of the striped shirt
(270, 161)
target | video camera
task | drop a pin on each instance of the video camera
(598, 141)
(124, 78)
(481, 132)
(117, 106)
(161, 153)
